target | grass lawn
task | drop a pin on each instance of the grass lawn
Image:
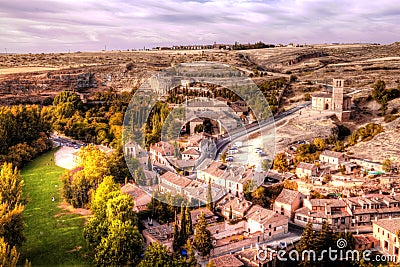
(53, 235)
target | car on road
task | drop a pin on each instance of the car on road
(229, 159)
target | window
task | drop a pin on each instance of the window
(396, 250)
(274, 229)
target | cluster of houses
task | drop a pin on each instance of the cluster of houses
(331, 161)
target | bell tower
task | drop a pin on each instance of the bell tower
(337, 95)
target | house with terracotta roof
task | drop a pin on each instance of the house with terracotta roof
(348, 213)
(160, 151)
(239, 206)
(190, 154)
(288, 202)
(196, 193)
(306, 170)
(267, 222)
(385, 231)
(365, 241)
(208, 215)
(317, 211)
(173, 183)
(162, 234)
(231, 178)
(141, 198)
(227, 260)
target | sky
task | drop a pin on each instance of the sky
(92, 25)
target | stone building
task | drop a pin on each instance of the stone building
(336, 101)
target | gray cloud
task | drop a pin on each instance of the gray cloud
(57, 25)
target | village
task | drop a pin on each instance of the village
(350, 193)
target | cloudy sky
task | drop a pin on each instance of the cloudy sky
(89, 25)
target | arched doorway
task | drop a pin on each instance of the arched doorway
(326, 106)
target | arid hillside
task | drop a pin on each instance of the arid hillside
(33, 78)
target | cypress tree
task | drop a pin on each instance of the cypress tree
(183, 234)
(189, 225)
(306, 242)
(210, 204)
(176, 241)
(202, 238)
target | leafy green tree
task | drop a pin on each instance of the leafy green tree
(280, 163)
(11, 184)
(199, 128)
(223, 157)
(9, 255)
(387, 165)
(320, 144)
(122, 246)
(230, 213)
(157, 255)
(12, 224)
(202, 238)
(306, 242)
(379, 90)
(324, 239)
(339, 146)
(120, 207)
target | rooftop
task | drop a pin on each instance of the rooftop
(306, 166)
(175, 179)
(287, 196)
(392, 225)
(227, 260)
(332, 154)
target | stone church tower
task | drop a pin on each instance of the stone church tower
(337, 95)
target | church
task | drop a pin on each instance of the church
(335, 101)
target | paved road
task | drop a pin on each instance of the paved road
(223, 143)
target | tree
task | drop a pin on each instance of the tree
(223, 158)
(191, 261)
(339, 146)
(199, 128)
(176, 237)
(9, 256)
(280, 163)
(291, 185)
(266, 164)
(324, 239)
(379, 90)
(210, 203)
(189, 223)
(183, 236)
(11, 184)
(157, 255)
(202, 238)
(320, 144)
(306, 242)
(230, 213)
(387, 165)
(122, 246)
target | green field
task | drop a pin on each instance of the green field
(53, 236)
